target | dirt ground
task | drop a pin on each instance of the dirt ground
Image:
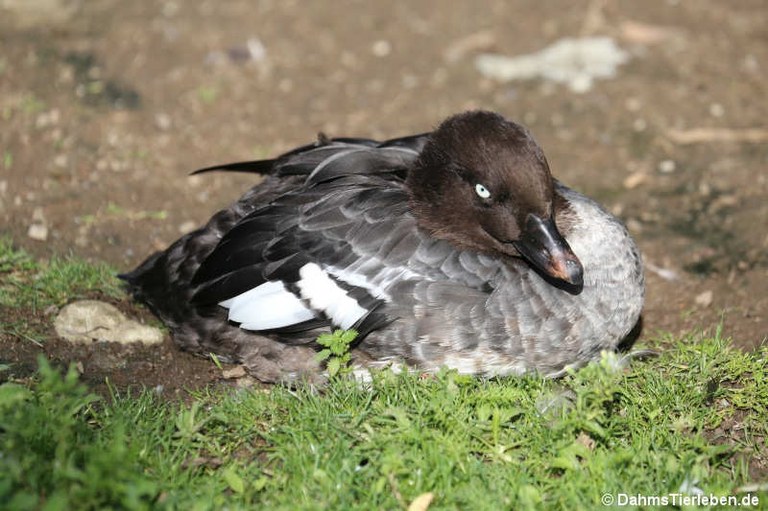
(106, 106)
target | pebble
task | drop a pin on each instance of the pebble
(246, 382)
(38, 232)
(716, 110)
(633, 104)
(635, 179)
(187, 226)
(667, 166)
(704, 299)
(61, 160)
(89, 321)
(234, 373)
(38, 216)
(634, 225)
(381, 48)
(163, 121)
(46, 119)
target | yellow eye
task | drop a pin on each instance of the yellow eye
(482, 191)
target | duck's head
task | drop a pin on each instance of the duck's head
(482, 183)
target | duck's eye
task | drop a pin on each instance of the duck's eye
(482, 191)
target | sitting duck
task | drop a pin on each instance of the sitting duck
(454, 248)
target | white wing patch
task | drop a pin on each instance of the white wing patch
(267, 306)
(378, 282)
(325, 295)
(271, 305)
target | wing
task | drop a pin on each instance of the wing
(322, 252)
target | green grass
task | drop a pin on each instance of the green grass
(32, 286)
(693, 419)
(475, 444)
(26, 283)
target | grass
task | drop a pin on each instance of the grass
(32, 286)
(692, 421)
(26, 283)
(28, 288)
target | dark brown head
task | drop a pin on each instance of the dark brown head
(482, 183)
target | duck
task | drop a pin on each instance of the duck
(452, 249)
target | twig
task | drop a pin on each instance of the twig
(701, 135)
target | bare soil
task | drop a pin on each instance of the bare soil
(106, 106)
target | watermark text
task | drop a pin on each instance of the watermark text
(679, 499)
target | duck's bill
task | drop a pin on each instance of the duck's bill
(542, 245)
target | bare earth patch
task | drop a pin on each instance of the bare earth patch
(106, 106)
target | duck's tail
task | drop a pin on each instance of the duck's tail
(414, 143)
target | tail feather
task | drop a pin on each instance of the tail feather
(251, 167)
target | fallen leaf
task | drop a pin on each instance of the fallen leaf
(422, 502)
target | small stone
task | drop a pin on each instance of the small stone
(234, 373)
(750, 64)
(704, 299)
(246, 382)
(581, 83)
(256, 49)
(667, 166)
(285, 85)
(46, 119)
(187, 227)
(38, 215)
(635, 179)
(61, 160)
(633, 104)
(716, 110)
(381, 48)
(88, 321)
(634, 225)
(163, 121)
(38, 232)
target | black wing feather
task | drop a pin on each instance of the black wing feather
(349, 207)
(252, 167)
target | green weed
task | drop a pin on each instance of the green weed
(335, 350)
